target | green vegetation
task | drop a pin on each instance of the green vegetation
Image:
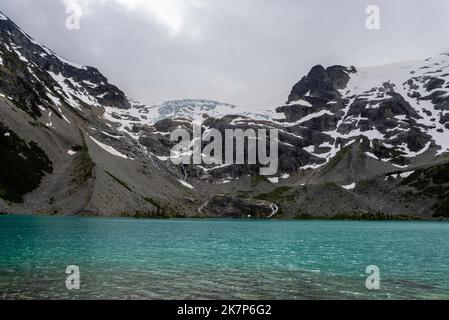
(84, 166)
(433, 182)
(442, 208)
(22, 166)
(277, 195)
(243, 194)
(153, 202)
(163, 211)
(339, 157)
(256, 179)
(120, 182)
(422, 178)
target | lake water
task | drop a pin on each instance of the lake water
(221, 259)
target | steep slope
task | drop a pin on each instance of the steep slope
(402, 109)
(54, 133)
(353, 142)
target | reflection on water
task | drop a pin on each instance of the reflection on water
(221, 259)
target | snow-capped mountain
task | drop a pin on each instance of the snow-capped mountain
(55, 80)
(198, 109)
(370, 141)
(401, 109)
(190, 109)
(61, 82)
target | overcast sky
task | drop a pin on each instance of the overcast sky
(245, 52)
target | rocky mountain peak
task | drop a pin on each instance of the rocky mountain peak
(75, 84)
(361, 138)
(321, 82)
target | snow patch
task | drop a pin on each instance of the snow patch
(300, 103)
(405, 175)
(311, 116)
(109, 149)
(349, 186)
(186, 184)
(274, 180)
(75, 91)
(49, 123)
(56, 101)
(371, 155)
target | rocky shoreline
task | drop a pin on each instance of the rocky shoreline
(300, 218)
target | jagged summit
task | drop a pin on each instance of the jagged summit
(366, 140)
(403, 108)
(58, 80)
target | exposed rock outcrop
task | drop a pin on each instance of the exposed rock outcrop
(353, 142)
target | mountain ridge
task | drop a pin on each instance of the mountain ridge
(367, 140)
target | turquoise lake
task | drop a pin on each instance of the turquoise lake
(221, 259)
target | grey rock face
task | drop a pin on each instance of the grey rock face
(34, 63)
(353, 142)
(322, 83)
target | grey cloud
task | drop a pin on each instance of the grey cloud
(246, 52)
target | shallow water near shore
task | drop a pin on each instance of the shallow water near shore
(221, 259)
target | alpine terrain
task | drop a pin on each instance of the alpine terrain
(363, 143)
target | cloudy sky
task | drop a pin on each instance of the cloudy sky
(245, 52)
